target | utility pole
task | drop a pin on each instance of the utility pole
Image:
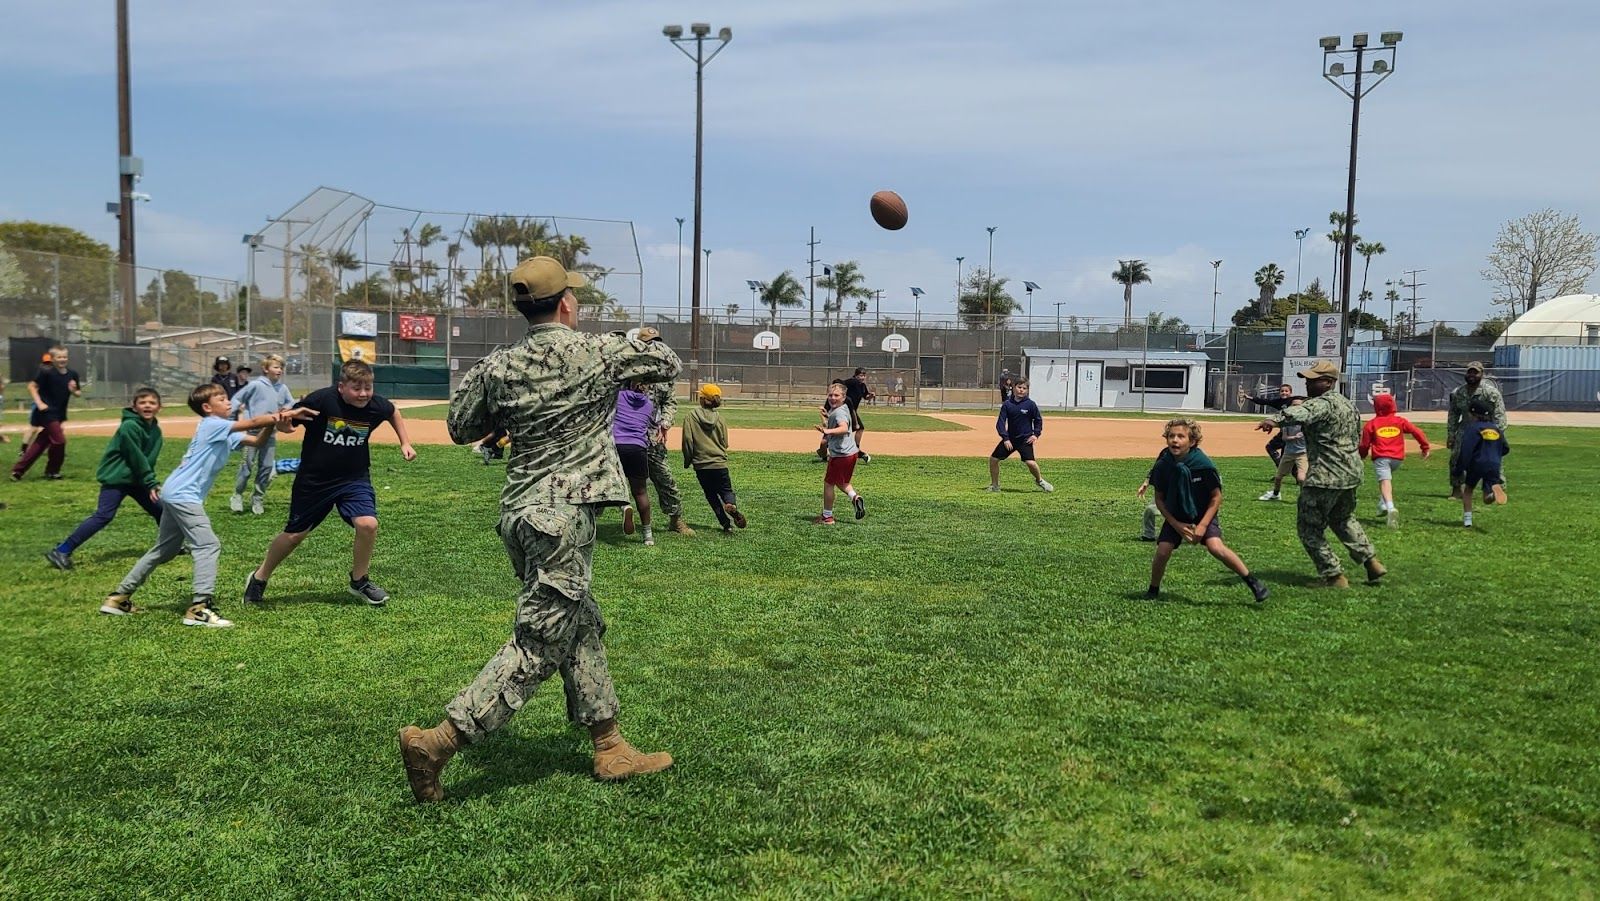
(811, 280)
(1413, 285)
(128, 168)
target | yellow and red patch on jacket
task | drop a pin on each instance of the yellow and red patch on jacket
(1490, 434)
(1389, 431)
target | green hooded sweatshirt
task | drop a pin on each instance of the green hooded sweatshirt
(130, 459)
(705, 440)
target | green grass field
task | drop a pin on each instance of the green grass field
(772, 417)
(958, 695)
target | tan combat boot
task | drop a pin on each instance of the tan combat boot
(424, 753)
(616, 760)
(677, 524)
(1375, 570)
(1338, 581)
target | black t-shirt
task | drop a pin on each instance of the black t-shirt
(55, 389)
(855, 391)
(229, 382)
(335, 448)
(1201, 484)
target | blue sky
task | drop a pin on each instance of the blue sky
(1170, 131)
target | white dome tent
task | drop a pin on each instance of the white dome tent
(1567, 320)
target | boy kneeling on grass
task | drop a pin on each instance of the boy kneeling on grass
(1188, 493)
(183, 511)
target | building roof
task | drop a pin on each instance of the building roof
(1560, 320)
(1132, 355)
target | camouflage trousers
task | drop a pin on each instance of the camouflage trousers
(558, 626)
(661, 474)
(1331, 508)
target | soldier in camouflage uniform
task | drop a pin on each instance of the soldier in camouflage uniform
(1328, 497)
(661, 394)
(1459, 413)
(554, 391)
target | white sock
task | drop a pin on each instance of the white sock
(827, 512)
(853, 495)
(1466, 519)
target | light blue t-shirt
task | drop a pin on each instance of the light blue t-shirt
(260, 397)
(205, 457)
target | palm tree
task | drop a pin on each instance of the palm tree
(1337, 220)
(427, 236)
(783, 291)
(1127, 274)
(452, 255)
(733, 310)
(1268, 278)
(1368, 250)
(845, 281)
(342, 261)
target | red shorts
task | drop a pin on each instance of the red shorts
(840, 469)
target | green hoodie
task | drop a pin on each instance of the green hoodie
(705, 440)
(130, 459)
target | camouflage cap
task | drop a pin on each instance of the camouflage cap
(1321, 369)
(1474, 366)
(649, 333)
(544, 277)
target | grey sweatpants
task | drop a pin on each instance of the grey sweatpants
(263, 456)
(180, 523)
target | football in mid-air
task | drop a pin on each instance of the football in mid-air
(889, 211)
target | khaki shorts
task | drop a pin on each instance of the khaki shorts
(1294, 464)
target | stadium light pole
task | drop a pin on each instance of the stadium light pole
(988, 301)
(1300, 240)
(1216, 269)
(1030, 287)
(1378, 62)
(254, 243)
(958, 283)
(698, 32)
(129, 169)
(680, 267)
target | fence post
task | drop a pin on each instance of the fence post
(58, 335)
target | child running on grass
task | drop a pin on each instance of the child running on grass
(1291, 454)
(266, 393)
(1384, 436)
(630, 431)
(1188, 492)
(53, 389)
(335, 472)
(842, 453)
(127, 469)
(705, 447)
(183, 511)
(1020, 425)
(1482, 444)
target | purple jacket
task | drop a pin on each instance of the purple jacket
(635, 412)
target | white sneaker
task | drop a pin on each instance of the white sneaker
(1393, 517)
(1466, 520)
(991, 488)
(1046, 487)
(649, 538)
(236, 503)
(255, 506)
(1269, 496)
(205, 615)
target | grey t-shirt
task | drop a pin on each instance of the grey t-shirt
(844, 444)
(1294, 438)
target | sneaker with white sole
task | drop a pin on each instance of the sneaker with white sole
(118, 605)
(368, 590)
(255, 590)
(256, 507)
(1046, 487)
(1392, 517)
(860, 505)
(991, 488)
(1269, 496)
(236, 503)
(627, 520)
(201, 613)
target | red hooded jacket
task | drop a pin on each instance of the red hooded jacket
(1384, 435)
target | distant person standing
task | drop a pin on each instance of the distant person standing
(666, 406)
(1328, 496)
(1006, 383)
(53, 390)
(222, 374)
(1459, 416)
(856, 391)
(264, 394)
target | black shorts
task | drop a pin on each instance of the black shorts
(1169, 535)
(1489, 478)
(855, 417)
(635, 463)
(310, 504)
(1023, 448)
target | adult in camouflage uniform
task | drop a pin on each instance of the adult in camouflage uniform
(1328, 497)
(661, 394)
(554, 391)
(1460, 413)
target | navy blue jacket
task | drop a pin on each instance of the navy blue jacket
(1482, 446)
(1019, 420)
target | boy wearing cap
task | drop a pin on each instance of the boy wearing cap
(1479, 450)
(264, 394)
(335, 474)
(555, 391)
(1459, 415)
(1333, 473)
(705, 447)
(222, 374)
(52, 389)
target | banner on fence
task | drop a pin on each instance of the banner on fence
(358, 325)
(416, 328)
(364, 349)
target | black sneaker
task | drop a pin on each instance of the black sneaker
(59, 560)
(1257, 588)
(1152, 593)
(255, 590)
(860, 503)
(56, 477)
(368, 591)
(866, 457)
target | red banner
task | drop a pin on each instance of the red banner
(416, 328)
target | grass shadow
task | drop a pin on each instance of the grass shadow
(509, 759)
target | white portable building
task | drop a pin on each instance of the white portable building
(1116, 379)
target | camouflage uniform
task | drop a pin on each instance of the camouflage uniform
(1328, 497)
(554, 392)
(1459, 412)
(656, 452)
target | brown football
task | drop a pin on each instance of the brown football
(889, 211)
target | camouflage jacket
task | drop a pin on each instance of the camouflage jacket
(666, 408)
(1333, 433)
(1460, 412)
(554, 392)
